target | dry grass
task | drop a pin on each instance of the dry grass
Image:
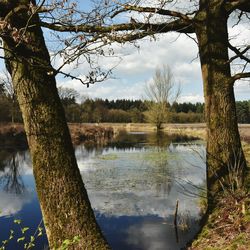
(13, 135)
(228, 227)
(91, 133)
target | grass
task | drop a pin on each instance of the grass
(228, 227)
(13, 135)
(108, 157)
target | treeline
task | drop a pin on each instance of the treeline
(9, 109)
(121, 110)
(124, 111)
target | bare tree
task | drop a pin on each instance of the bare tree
(6, 82)
(161, 92)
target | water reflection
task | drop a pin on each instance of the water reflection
(133, 184)
(10, 177)
(13, 192)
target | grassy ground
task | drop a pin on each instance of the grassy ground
(228, 227)
(194, 129)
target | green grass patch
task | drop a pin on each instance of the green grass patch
(108, 157)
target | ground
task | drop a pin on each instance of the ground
(228, 227)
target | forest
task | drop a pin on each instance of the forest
(120, 110)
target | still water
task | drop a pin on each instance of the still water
(133, 184)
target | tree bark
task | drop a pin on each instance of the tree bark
(64, 202)
(225, 159)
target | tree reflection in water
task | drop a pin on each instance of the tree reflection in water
(10, 177)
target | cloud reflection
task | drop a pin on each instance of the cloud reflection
(133, 184)
(12, 203)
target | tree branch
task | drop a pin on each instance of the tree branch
(239, 54)
(241, 75)
(159, 11)
(182, 26)
(243, 5)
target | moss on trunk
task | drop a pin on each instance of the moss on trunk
(64, 202)
(224, 151)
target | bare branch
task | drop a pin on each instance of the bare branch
(241, 75)
(177, 25)
(243, 5)
(159, 11)
(239, 54)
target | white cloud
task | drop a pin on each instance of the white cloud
(117, 189)
(191, 98)
(138, 66)
(12, 203)
(242, 89)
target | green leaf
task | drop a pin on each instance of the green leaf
(40, 230)
(17, 221)
(40, 234)
(66, 242)
(76, 239)
(21, 239)
(5, 242)
(24, 229)
(32, 238)
(30, 245)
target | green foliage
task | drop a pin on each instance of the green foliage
(243, 111)
(67, 244)
(28, 242)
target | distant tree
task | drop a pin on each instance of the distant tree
(243, 112)
(118, 115)
(136, 115)
(67, 95)
(87, 110)
(8, 91)
(161, 92)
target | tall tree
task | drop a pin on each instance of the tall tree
(64, 202)
(208, 19)
(161, 93)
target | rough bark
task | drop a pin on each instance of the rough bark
(64, 202)
(225, 159)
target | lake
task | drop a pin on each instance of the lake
(133, 182)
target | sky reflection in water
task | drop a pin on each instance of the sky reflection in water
(133, 184)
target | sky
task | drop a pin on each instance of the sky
(137, 66)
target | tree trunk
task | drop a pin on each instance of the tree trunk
(226, 163)
(64, 202)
